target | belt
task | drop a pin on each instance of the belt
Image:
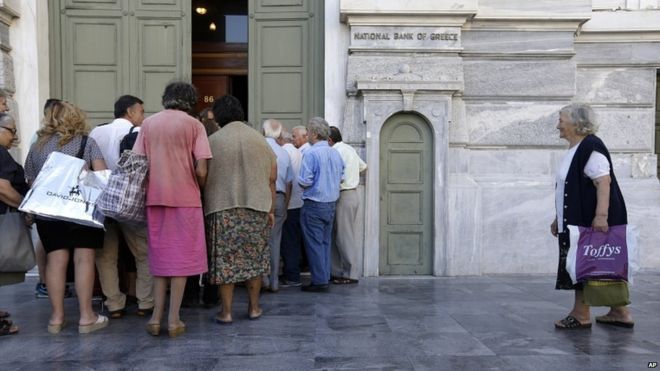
(280, 192)
(344, 190)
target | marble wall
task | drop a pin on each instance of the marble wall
(519, 62)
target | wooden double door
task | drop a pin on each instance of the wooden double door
(102, 49)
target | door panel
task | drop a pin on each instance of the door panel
(102, 49)
(160, 46)
(92, 68)
(94, 4)
(406, 200)
(285, 76)
(267, 6)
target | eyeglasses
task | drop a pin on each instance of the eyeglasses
(11, 130)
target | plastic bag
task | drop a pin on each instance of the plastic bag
(602, 256)
(64, 190)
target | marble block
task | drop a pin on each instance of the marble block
(643, 205)
(644, 165)
(458, 160)
(7, 72)
(612, 54)
(407, 7)
(555, 9)
(514, 123)
(407, 68)
(476, 41)
(517, 163)
(458, 125)
(626, 129)
(616, 85)
(496, 78)
(622, 22)
(516, 227)
(463, 253)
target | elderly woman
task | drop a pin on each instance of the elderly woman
(207, 119)
(65, 130)
(588, 195)
(239, 204)
(12, 189)
(176, 146)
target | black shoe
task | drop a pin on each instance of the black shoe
(315, 288)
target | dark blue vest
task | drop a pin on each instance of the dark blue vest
(580, 191)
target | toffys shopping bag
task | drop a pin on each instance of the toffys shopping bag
(602, 256)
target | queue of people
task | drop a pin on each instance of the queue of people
(218, 203)
(228, 202)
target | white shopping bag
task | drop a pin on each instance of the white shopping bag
(64, 190)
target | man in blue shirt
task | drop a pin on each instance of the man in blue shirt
(320, 175)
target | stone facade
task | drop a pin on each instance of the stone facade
(492, 97)
(488, 76)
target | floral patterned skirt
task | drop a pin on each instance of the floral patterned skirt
(237, 243)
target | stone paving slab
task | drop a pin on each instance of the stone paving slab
(421, 323)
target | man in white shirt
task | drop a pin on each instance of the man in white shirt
(129, 113)
(346, 254)
(272, 129)
(292, 238)
(300, 139)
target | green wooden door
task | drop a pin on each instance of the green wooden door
(406, 196)
(102, 49)
(285, 55)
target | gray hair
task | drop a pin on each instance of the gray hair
(4, 93)
(286, 136)
(318, 127)
(301, 128)
(272, 128)
(582, 116)
(179, 95)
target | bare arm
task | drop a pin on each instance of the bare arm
(201, 171)
(273, 179)
(602, 203)
(9, 195)
(553, 227)
(287, 195)
(99, 165)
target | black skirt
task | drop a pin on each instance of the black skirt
(58, 235)
(564, 281)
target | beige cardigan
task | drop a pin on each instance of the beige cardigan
(239, 173)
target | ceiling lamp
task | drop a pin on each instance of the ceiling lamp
(212, 26)
(201, 10)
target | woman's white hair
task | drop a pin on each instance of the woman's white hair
(582, 116)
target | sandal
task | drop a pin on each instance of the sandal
(8, 328)
(4, 314)
(343, 281)
(607, 320)
(117, 314)
(145, 312)
(56, 328)
(177, 330)
(153, 329)
(571, 323)
(101, 322)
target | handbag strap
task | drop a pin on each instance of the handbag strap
(81, 151)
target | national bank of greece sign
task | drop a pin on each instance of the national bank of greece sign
(403, 37)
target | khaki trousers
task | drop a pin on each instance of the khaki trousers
(106, 263)
(346, 255)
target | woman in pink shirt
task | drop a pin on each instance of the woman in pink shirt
(177, 148)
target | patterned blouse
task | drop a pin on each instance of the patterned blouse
(38, 155)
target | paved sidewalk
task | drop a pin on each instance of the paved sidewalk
(465, 323)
